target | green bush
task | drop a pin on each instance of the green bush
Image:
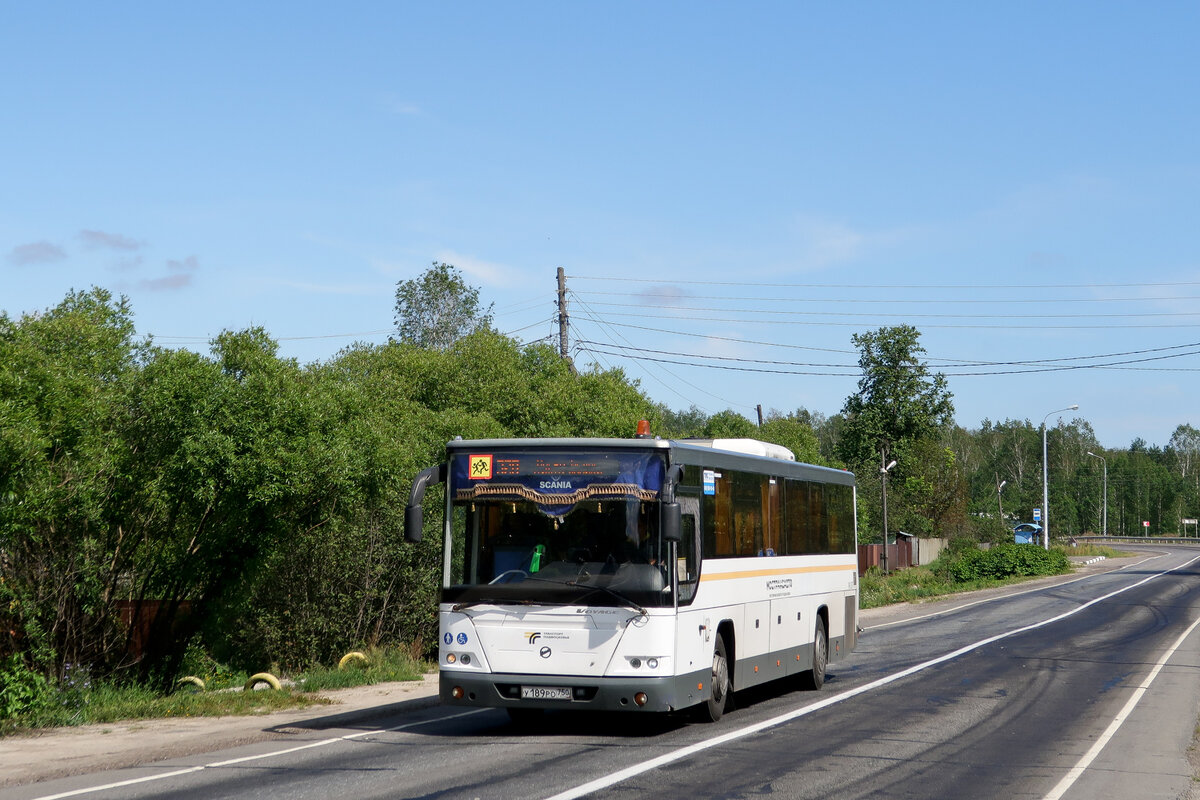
(23, 692)
(1007, 560)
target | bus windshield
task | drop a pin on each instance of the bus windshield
(557, 527)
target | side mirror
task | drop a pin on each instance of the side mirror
(413, 523)
(413, 519)
(671, 521)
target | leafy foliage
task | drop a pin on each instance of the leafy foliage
(897, 401)
(23, 692)
(438, 308)
(1001, 561)
(157, 504)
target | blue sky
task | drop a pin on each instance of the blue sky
(1018, 181)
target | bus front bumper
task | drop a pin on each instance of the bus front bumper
(573, 692)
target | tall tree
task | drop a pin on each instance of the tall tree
(897, 401)
(437, 309)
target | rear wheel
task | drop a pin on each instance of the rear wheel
(718, 698)
(815, 677)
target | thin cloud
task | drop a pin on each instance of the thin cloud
(394, 104)
(36, 253)
(189, 264)
(822, 243)
(661, 295)
(169, 283)
(129, 264)
(99, 240)
(825, 243)
(489, 273)
(363, 289)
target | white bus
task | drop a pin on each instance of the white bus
(637, 574)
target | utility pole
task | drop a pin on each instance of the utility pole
(760, 417)
(563, 319)
(883, 473)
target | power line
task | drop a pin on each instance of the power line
(892, 285)
(895, 300)
(737, 360)
(960, 361)
(594, 318)
(878, 315)
(1040, 324)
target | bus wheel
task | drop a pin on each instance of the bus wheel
(815, 677)
(719, 684)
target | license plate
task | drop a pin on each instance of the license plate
(545, 693)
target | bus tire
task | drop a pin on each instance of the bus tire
(815, 677)
(718, 698)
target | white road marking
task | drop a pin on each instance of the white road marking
(686, 752)
(1077, 771)
(646, 766)
(1002, 597)
(160, 776)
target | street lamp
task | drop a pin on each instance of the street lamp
(1104, 524)
(883, 472)
(1046, 479)
(999, 488)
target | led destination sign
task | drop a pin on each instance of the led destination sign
(556, 479)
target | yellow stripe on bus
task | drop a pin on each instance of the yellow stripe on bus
(765, 573)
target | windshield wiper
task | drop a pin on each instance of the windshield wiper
(485, 601)
(620, 598)
(514, 602)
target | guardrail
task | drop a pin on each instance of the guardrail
(1140, 539)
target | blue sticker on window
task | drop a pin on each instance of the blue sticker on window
(710, 482)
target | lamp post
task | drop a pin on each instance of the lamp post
(883, 472)
(1104, 523)
(999, 488)
(1046, 479)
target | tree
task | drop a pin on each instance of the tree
(897, 401)
(437, 309)
(794, 433)
(729, 424)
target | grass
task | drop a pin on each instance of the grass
(1090, 550)
(87, 703)
(919, 583)
(382, 665)
(915, 583)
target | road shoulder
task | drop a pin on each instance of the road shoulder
(61, 752)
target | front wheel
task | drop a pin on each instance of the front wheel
(718, 697)
(815, 677)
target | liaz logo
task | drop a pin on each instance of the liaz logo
(533, 637)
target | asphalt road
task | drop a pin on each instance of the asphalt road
(1084, 689)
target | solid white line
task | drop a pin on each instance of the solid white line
(686, 752)
(321, 743)
(1077, 771)
(1004, 596)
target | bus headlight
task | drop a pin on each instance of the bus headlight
(652, 663)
